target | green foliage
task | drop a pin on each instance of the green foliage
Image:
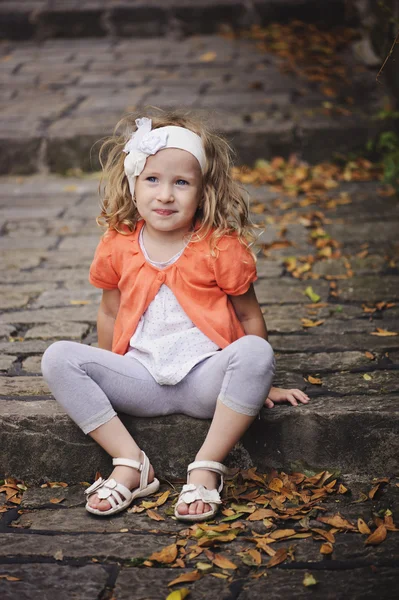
(387, 146)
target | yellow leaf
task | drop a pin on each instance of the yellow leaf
(314, 380)
(167, 555)
(377, 536)
(223, 562)
(219, 575)
(342, 489)
(178, 594)
(185, 578)
(309, 580)
(162, 499)
(79, 302)
(208, 57)
(383, 332)
(310, 323)
(311, 294)
(367, 377)
(363, 527)
(204, 567)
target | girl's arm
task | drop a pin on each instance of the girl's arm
(106, 316)
(250, 315)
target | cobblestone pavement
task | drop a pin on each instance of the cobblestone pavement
(59, 97)
(47, 242)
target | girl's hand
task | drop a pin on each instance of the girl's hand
(280, 395)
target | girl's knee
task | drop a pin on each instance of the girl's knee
(256, 353)
(54, 356)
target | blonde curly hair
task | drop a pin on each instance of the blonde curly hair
(224, 208)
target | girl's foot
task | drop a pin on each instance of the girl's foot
(203, 477)
(128, 477)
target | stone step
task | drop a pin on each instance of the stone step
(60, 97)
(44, 19)
(356, 434)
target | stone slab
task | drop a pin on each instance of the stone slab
(23, 386)
(59, 331)
(357, 434)
(38, 581)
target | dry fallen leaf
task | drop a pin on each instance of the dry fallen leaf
(167, 555)
(326, 548)
(223, 562)
(186, 577)
(178, 594)
(208, 57)
(363, 527)
(383, 332)
(58, 555)
(337, 521)
(314, 380)
(153, 514)
(278, 558)
(56, 500)
(377, 536)
(309, 580)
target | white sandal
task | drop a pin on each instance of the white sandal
(191, 493)
(118, 495)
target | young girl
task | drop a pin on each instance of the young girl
(179, 327)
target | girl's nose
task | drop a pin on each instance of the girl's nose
(165, 194)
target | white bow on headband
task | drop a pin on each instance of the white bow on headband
(146, 141)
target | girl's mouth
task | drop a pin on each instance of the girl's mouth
(164, 213)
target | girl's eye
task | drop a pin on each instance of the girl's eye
(151, 179)
(182, 182)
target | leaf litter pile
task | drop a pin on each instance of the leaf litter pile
(267, 514)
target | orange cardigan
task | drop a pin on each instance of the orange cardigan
(201, 283)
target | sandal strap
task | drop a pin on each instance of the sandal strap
(142, 467)
(209, 465)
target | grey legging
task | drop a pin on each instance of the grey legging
(91, 383)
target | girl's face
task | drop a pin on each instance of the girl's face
(168, 191)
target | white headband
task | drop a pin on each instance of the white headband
(145, 142)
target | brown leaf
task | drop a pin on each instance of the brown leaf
(186, 577)
(363, 527)
(167, 555)
(282, 533)
(260, 514)
(276, 484)
(377, 536)
(153, 514)
(310, 323)
(369, 355)
(278, 558)
(223, 562)
(208, 57)
(326, 548)
(337, 521)
(56, 500)
(325, 534)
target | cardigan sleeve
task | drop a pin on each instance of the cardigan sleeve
(102, 273)
(234, 267)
